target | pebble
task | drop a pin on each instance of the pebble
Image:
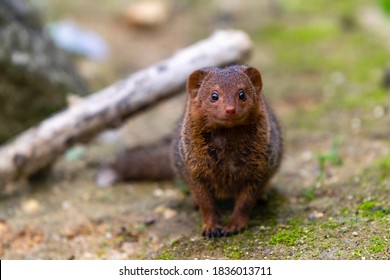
(262, 228)
(168, 193)
(315, 215)
(158, 192)
(166, 212)
(31, 206)
(66, 205)
(355, 233)
(379, 112)
(147, 13)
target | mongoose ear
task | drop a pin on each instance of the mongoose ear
(194, 81)
(255, 77)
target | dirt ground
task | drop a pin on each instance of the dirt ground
(323, 69)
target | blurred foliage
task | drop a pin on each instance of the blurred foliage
(385, 5)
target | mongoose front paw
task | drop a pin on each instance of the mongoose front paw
(212, 231)
(234, 228)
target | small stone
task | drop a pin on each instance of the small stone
(168, 193)
(158, 192)
(66, 205)
(379, 112)
(355, 233)
(315, 215)
(165, 212)
(262, 228)
(31, 206)
(147, 13)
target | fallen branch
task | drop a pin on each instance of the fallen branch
(39, 146)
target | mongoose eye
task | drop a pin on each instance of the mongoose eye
(214, 96)
(242, 95)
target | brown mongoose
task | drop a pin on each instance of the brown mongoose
(228, 144)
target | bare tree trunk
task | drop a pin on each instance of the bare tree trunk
(39, 146)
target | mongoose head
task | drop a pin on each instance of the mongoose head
(225, 96)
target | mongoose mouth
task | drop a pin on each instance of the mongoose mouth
(229, 120)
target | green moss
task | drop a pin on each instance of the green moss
(292, 234)
(377, 244)
(367, 205)
(286, 236)
(373, 210)
(166, 255)
(331, 224)
(233, 252)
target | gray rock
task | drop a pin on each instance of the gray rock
(35, 74)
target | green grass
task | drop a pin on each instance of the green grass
(332, 157)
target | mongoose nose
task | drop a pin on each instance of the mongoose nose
(230, 110)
